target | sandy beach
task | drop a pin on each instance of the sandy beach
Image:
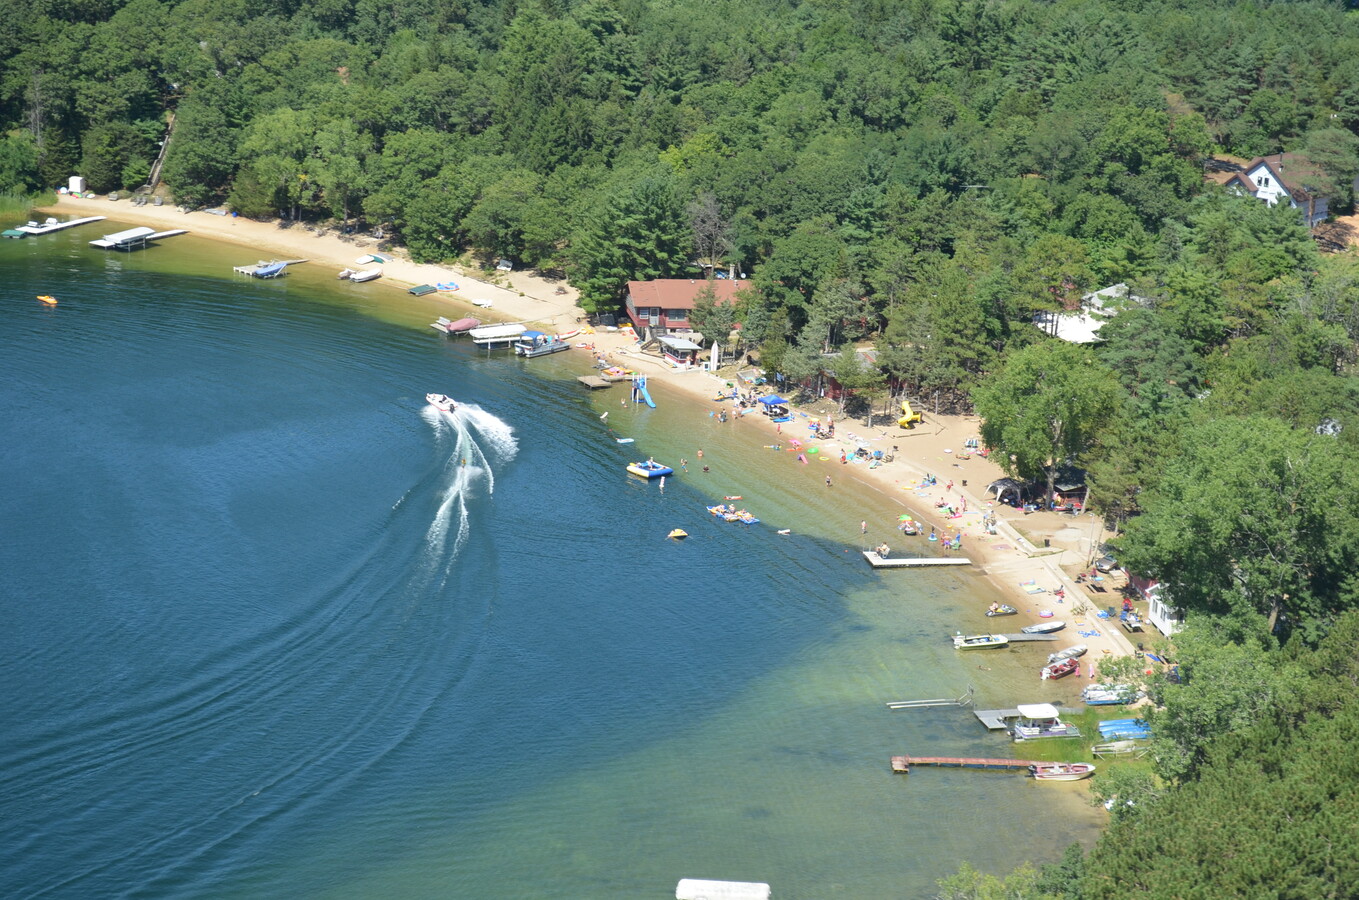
(1032, 558)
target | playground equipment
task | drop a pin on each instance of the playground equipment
(909, 417)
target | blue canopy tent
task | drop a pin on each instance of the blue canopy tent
(775, 407)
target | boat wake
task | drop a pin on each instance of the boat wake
(474, 440)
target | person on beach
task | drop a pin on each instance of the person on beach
(863, 527)
(828, 481)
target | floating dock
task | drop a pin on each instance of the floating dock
(51, 226)
(902, 764)
(904, 562)
(594, 382)
(994, 719)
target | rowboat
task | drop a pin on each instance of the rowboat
(1119, 748)
(1068, 653)
(1056, 771)
(1061, 668)
(1043, 627)
(979, 641)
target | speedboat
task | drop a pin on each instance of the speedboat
(1003, 609)
(441, 402)
(1055, 771)
(979, 641)
(1043, 627)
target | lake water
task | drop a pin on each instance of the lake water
(275, 627)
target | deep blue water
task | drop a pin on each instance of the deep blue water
(275, 627)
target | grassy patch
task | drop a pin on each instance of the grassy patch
(12, 204)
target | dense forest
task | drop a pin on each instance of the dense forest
(920, 178)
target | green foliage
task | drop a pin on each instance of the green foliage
(641, 234)
(1253, 517)
(1045, 406)
(18, 164)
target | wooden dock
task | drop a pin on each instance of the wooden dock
(994, 719)
(904, 562)
(594, 382)
(902, 764)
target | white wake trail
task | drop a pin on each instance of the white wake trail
(468, 469)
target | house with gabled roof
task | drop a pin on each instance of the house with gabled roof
(1284, 177)
(662, 306)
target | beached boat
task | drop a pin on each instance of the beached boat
(345, 273)
(365, 275)
(650, 469)
(1043, 627)
(1061, 668)
(1119, 748)
(1069, 653)
(979, 641)
(1109, 694)
(1001, 609)
(1056, 771)
(1041, 720)
(441, 402)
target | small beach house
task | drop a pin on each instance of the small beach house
(662, 306)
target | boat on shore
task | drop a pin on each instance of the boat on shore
(1119, 748)
(1069, 653)
(441, 402)
(1061, 669)
(650, 469)
(1043, 627)
(1057, 771)
(1110, 694)
(1001, 609)
(979, 641)
(365, 275)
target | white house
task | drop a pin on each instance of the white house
(1082, 325)
(1283, 176)
(1167, 619)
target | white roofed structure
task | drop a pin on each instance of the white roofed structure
(703, 889)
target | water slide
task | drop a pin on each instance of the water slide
(639, 390)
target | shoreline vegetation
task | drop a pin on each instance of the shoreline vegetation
(1029, 559)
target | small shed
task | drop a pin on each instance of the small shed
(678, 350)
(76, 183)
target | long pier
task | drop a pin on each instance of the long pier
(904, 562)
(902, 764)
(1021, 637)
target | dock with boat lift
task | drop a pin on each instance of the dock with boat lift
(902, 764)
(52, 225)
(913, 562)
(134, 238)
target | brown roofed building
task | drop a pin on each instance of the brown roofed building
(663, 305)
(1284, 176)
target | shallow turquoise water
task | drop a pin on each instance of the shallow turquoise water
(276, 628)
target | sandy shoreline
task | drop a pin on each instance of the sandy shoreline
(1015, 556)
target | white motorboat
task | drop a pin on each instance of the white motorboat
(441, 402)
(1069, 653)
(365, 275)
(979, 641)
(1043, 627)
